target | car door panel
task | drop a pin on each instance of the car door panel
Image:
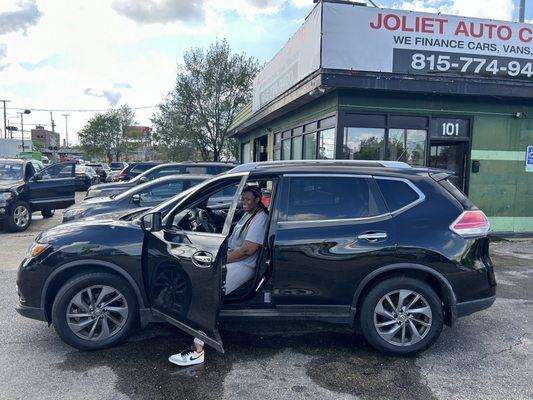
(56, 188)
(184, 273)
(182, 291)
(320, 244)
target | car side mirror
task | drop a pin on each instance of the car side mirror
(38, 177)
(143, 179)
(151, 222)
(136, 198)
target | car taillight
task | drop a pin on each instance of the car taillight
(118, 177)
(471, 223)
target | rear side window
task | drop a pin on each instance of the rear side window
(324, 198)
(139, 168)
(397, 193)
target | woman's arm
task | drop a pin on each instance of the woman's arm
(240, 253)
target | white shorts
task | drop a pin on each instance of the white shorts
(237, 274)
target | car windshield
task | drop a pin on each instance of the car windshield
(10, 171)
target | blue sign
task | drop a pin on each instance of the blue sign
(529, 159)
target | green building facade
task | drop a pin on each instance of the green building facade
(479, 127)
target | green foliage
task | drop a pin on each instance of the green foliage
(211, 86)
(105, 134)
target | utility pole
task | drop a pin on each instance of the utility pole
(22, 125)
(66, 129)
(5, 117)
(522, 11)
(53, 123)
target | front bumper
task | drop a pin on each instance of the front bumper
(31, 312)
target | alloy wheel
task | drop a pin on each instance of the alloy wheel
(402, 317)
(21, 216)
(97, 312)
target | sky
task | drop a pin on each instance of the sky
(72, 55)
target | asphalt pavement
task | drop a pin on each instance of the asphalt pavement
(488, 355)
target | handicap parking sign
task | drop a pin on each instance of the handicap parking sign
(529, 159)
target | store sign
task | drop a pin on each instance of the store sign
(529, 159)
(299, 58)
(381, 40)
(449, 128)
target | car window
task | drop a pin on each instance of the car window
(326, 198)
(397, 193)
(61, 170)
(158, 193)
(196, 170)
(140, 168)
(165, 171)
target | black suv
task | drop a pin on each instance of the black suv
(174, 168)
(27, 186)
(391, 250)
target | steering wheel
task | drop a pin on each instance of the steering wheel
(201, 218)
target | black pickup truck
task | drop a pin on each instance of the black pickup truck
(27, 186)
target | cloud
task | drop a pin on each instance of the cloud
(492, 9)
(263, 4)
(112, 96)
(160, 11)
(3, 54)
(21, 19)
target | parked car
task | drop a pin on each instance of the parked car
(27, 186)
(86, 177)
(102, 169)
(148, 194)
(134, 169)
(203, 168)
(393, 251)
(118, 165)
(111, 175)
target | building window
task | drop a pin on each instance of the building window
(245, 152)
(407, 145)
(326, 144)
(286, 149)
(277, 146)
(309, 146)
(297, 147)
(363, 143)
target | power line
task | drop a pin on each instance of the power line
(73, 110)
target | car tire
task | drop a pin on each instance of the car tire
(89, 331)
(386, 326)
(48, 213)
(19, 218)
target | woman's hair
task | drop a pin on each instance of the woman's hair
(258, 194)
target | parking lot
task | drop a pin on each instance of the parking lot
(487, 355)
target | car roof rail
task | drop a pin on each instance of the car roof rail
(355, 163)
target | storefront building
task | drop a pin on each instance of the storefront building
(449, 92)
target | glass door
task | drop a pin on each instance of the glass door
(450, 156)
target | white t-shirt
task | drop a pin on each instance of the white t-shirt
(255, 233)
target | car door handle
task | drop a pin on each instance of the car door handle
(202, 259)
(372, 236)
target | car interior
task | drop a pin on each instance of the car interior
(205, 215)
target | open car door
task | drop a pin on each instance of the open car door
(53, 187)
(183, 268)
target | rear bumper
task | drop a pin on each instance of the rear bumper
(470, 307)
(31, 312)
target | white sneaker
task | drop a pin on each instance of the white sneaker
(187, 357)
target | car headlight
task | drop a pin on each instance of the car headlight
(36, 249)
(73, 212)
(94, 192)
(6, 196)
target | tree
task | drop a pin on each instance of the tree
(210, 87)
(105, 134)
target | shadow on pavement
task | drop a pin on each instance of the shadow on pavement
(340, 362)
